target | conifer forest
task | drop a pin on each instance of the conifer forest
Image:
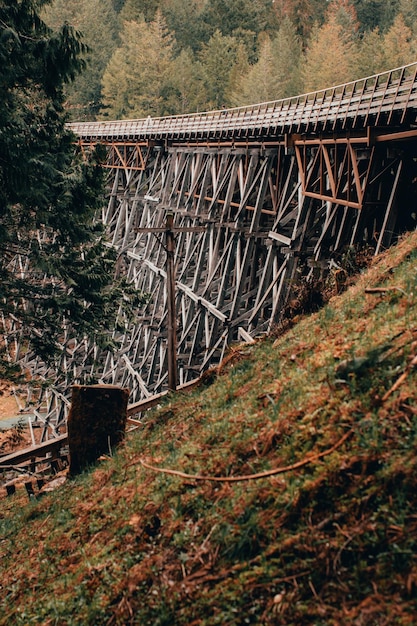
(168, 57)
(277, 487)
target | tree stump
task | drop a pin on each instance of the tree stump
(96, 423)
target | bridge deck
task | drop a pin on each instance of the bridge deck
(383, 99)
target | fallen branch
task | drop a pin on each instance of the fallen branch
(234, 479)
(382, 290)
(400, 380)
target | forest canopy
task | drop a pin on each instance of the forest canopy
(164, 57)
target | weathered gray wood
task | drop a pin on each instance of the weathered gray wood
(171, 308)
(260, 196)
(34, 452)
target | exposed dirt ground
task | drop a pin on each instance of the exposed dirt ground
(8, 404)
(10, 438)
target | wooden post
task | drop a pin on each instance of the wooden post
(172, 316)
(96, 423)
(10, 489)
(29, 489)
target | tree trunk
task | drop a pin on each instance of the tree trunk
(96, 423)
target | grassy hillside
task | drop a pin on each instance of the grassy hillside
(315, 435)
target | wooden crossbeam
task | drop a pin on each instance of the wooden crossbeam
(39, 451)
(331, 172)
(252, 214)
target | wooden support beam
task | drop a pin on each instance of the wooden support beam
(39, 451)
(172, 315)
(247, 208)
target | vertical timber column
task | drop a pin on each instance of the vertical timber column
(96, 423)
(172, 317)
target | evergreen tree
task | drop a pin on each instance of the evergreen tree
(183, 18)
(229, 16)
(240, 69)
(118, 5)
(189, 84)
(370, 59)
(99, 24)
(218, 58)
(259, 84)
(288, 60)
(139, 79)
(304, 14)
(138, 10)
(48, 197)
(382, 52)
(408, 9)
(115, 82)
(330, 57)
(277, 74)
(399, 46)
(242, 19)
(376, 13)
(344, 14)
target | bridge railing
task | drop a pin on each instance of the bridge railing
(371, 100)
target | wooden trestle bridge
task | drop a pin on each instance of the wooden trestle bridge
(259, 197)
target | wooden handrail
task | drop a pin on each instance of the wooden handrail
(387, 93)
(33, 452)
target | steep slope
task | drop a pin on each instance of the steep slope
(297, 499)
